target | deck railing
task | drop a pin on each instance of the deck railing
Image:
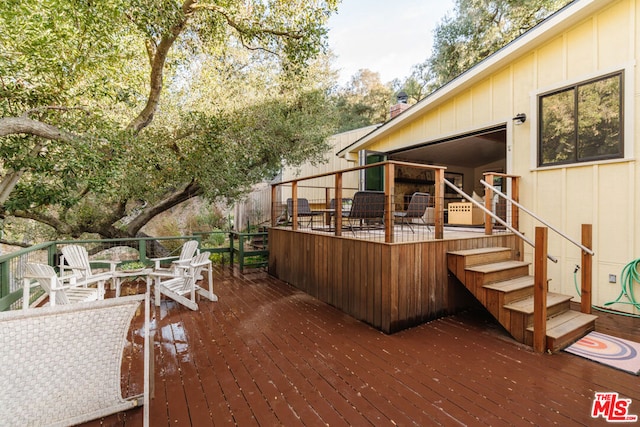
(222, 244)
(343, 188)
(326, 193)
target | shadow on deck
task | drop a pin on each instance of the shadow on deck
(269, 354)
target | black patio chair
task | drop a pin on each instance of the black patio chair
(304, 210)
(367, 209)
(346, 206)
(417, 208)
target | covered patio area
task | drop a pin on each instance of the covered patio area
(269, 354)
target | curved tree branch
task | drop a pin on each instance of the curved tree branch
(158, 58)
(60, 226)
(24, 125)
(189, 191)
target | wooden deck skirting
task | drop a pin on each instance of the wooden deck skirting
(389, 286)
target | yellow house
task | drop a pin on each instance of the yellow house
(556, 107)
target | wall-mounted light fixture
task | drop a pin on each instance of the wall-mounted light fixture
(520, 118)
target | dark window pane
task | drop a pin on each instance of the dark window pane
(599, 121)
(557, 127)
(582, 122)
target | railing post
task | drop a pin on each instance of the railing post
(587, 269)
(389, 178)
(540, 291)
(142, 250)
(439, 205)
(338, 204)
(327, 205)
(488, 199)
(274, 214)
(231, 249)
(294, 205)
(5, 286)
(515, 195)
(51, 255)
(241, 237)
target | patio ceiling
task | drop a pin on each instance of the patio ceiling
(470, 151)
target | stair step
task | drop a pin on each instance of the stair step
(512, 285)
(507, 291)
(567, 322)
(483, 255)
(526, 305)
(497, 266)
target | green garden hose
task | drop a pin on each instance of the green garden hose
(630, 275)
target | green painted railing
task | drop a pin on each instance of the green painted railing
(250, 250)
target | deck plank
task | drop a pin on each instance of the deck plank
(269, 354)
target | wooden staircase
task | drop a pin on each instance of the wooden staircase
(505, 288)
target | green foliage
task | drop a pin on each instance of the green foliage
(215, 239)
(209, 218)
(220, 258)
(241, 88)
(364, 101)
(244, 146)
(477, 29)
(66, 53)
(132, 265)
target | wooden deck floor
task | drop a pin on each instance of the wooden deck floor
(267, 354)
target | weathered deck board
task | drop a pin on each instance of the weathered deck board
(268, 354)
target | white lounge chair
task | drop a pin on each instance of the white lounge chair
(76, 258)
(58, 289)
(188, 251)
(183, 288)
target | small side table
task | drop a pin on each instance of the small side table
(120, 275)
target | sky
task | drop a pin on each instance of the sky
(385, 36)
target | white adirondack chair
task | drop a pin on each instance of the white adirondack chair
(59, 292)
(76, 258)
(183, 287)
(179, 265)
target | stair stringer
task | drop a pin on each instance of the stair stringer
(505, 288)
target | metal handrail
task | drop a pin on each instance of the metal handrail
(494, 216)
(501, 194)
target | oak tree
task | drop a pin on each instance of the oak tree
(120, 104)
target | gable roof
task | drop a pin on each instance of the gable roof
(551, 27)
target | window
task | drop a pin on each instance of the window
(582, 122)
